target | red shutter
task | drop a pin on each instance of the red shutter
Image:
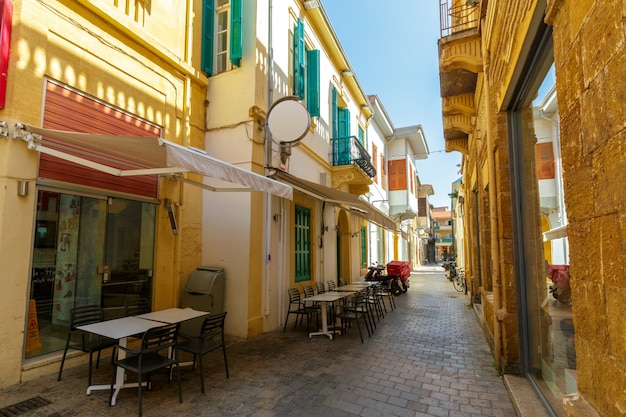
(397, 175)
(6, 22)
(69, 111)
(544, 158)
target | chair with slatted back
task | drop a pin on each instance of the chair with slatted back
(353, 309)
(342, 281)
(331, 285)
(211, 338)
(320, 287)
(158, 350)
(87, 342)
(296, 307)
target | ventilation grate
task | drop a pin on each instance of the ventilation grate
(23, 407)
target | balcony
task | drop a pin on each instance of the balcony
(352, 165)
(460, 62)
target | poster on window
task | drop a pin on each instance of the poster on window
(66, 256)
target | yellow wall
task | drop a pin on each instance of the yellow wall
(127, 62)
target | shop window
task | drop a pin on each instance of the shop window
(87, 250)
(549, 345)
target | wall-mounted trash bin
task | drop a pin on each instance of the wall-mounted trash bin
(203, 291)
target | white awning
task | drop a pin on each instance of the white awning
(147, 156)
(348, 201)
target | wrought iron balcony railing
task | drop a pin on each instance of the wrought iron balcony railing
(349, 151)
(458, 15)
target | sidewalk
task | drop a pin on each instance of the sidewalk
(427, 358)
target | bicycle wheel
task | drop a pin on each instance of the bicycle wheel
(459, 283)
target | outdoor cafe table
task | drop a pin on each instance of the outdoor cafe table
(173, 315)
(118, 329)
(353, 287)
(123, 327)
(327, 297)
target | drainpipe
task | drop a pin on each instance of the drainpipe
(493, 226)
(268, 163)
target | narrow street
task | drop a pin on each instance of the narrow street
(429, 357)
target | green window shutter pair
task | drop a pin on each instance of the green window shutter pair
(363, 247)
(302, 243)
(306, 71)
(208, 30)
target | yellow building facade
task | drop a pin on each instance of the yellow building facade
(73, 64)
(532, 98)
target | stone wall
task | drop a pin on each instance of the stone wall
(589, 39)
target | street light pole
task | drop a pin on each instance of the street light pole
(452, 196)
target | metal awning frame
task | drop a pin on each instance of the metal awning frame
(146, 156)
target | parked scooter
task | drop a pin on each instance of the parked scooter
(397, 283)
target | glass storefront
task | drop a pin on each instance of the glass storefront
(543, 265)
(87, 250)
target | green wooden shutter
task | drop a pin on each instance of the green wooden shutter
(302, 244)
(335, 116)
(236, 36)
(206, 59)
(299, 55)
(363, 247)
(313, 82)
(344, 123)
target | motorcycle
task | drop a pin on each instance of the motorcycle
(450, 267)
(397, 279)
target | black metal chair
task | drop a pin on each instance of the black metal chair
(137, 307)
(342, 281)
(148, 358)
(88, 343)
(331, 285)
(353, 309)
(297, 307)
(320, 287)
(211, 339)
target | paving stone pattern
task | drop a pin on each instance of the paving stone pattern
(429, 357)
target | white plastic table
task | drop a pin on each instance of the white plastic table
(173, 315)
(327, 297)
(118, 329)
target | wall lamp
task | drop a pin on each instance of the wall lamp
(22, 188)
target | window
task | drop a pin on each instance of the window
(221, 35)
(302, 243)
(340, 117)
(87, 250)
(361, 136)
(306, 71)
(397, 175)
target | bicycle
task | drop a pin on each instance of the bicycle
(459, 281)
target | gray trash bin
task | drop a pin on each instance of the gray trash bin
(203, 291)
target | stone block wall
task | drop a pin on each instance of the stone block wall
(589, 40)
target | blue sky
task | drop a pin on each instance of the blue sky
(393, 51)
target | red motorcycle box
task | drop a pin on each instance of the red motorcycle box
(399, 268)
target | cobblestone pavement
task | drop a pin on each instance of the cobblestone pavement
(429, 357)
